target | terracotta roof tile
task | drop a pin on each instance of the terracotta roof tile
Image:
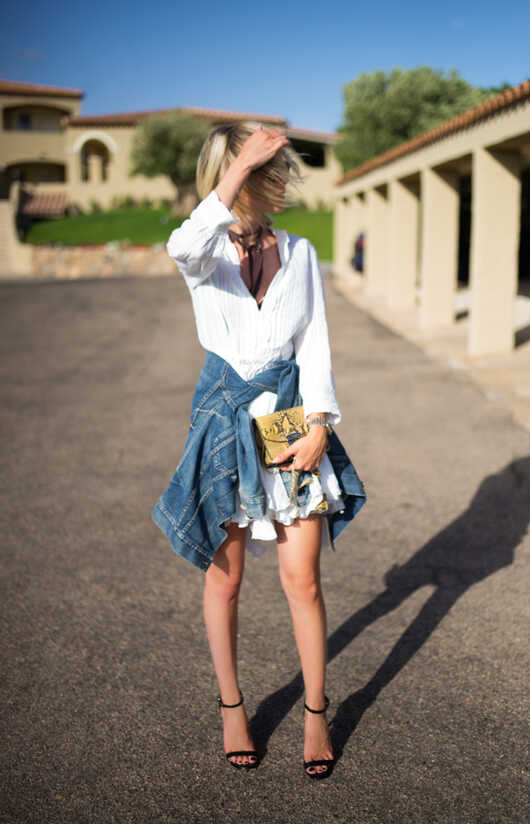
(13, 87)
(502, 101)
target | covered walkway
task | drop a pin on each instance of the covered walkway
(446, 211)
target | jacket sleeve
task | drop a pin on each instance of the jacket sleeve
(312, 350)
(196, 246)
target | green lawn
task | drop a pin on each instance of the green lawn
(137, 224)
(316, 225)
(149, 226)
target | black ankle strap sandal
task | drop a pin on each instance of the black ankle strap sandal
(230, 706)
(251, 765)
(317, 712)
(319, 762)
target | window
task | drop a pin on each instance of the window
(94, 159)
(24, 121)
(311, 153)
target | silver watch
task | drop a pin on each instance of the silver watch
(321, 422)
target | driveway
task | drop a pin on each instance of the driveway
(108, 692)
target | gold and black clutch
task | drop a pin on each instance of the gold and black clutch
(274, 433)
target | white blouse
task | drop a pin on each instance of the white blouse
(292, 318)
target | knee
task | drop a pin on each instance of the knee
(301, 586)
(223, 586)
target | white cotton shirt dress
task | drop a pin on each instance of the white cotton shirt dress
(292, 318)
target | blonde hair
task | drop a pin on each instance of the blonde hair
(222, 146)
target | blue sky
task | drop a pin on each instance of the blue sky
(283, 58)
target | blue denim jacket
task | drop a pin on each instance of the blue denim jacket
(220, 457)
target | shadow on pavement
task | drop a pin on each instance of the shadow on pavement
(477, 544)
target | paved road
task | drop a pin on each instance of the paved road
(108, 693)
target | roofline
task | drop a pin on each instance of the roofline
(133, 118)
(502, 101)
(199, 110)
(309, 134)
(35, 90)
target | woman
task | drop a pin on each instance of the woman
(259, 306)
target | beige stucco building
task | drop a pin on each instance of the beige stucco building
(448, 209)
(46, 142)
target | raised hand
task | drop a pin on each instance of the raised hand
(261, 146)
(257, 149)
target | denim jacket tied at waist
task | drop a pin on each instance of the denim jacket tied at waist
(220, 457)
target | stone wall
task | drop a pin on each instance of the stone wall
(106, 260)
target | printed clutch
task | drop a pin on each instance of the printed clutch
(274, 433)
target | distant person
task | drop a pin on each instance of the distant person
(358, 253)
(259, 305)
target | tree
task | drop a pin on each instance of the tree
(383, 109)
(170, 146)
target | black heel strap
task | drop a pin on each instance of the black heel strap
(318, 711)
(230, 706)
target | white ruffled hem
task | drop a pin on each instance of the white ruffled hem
(279, 508)
(262, 530)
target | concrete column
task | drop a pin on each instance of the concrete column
(495, 229)
(101, 168)
(358, 222)
(111, 167)
(376, 237)
(348, 222)
(341, 236)
(439, 248)
(77, 167)
(402, 244)
(93, 168)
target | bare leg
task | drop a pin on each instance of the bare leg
(221, 592)
(299, 548)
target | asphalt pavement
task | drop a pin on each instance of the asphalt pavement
(108, 692)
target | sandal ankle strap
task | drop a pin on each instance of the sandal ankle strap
(230, 706)
(318, 711)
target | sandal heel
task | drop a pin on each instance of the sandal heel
(250, 765)
(319, 762)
